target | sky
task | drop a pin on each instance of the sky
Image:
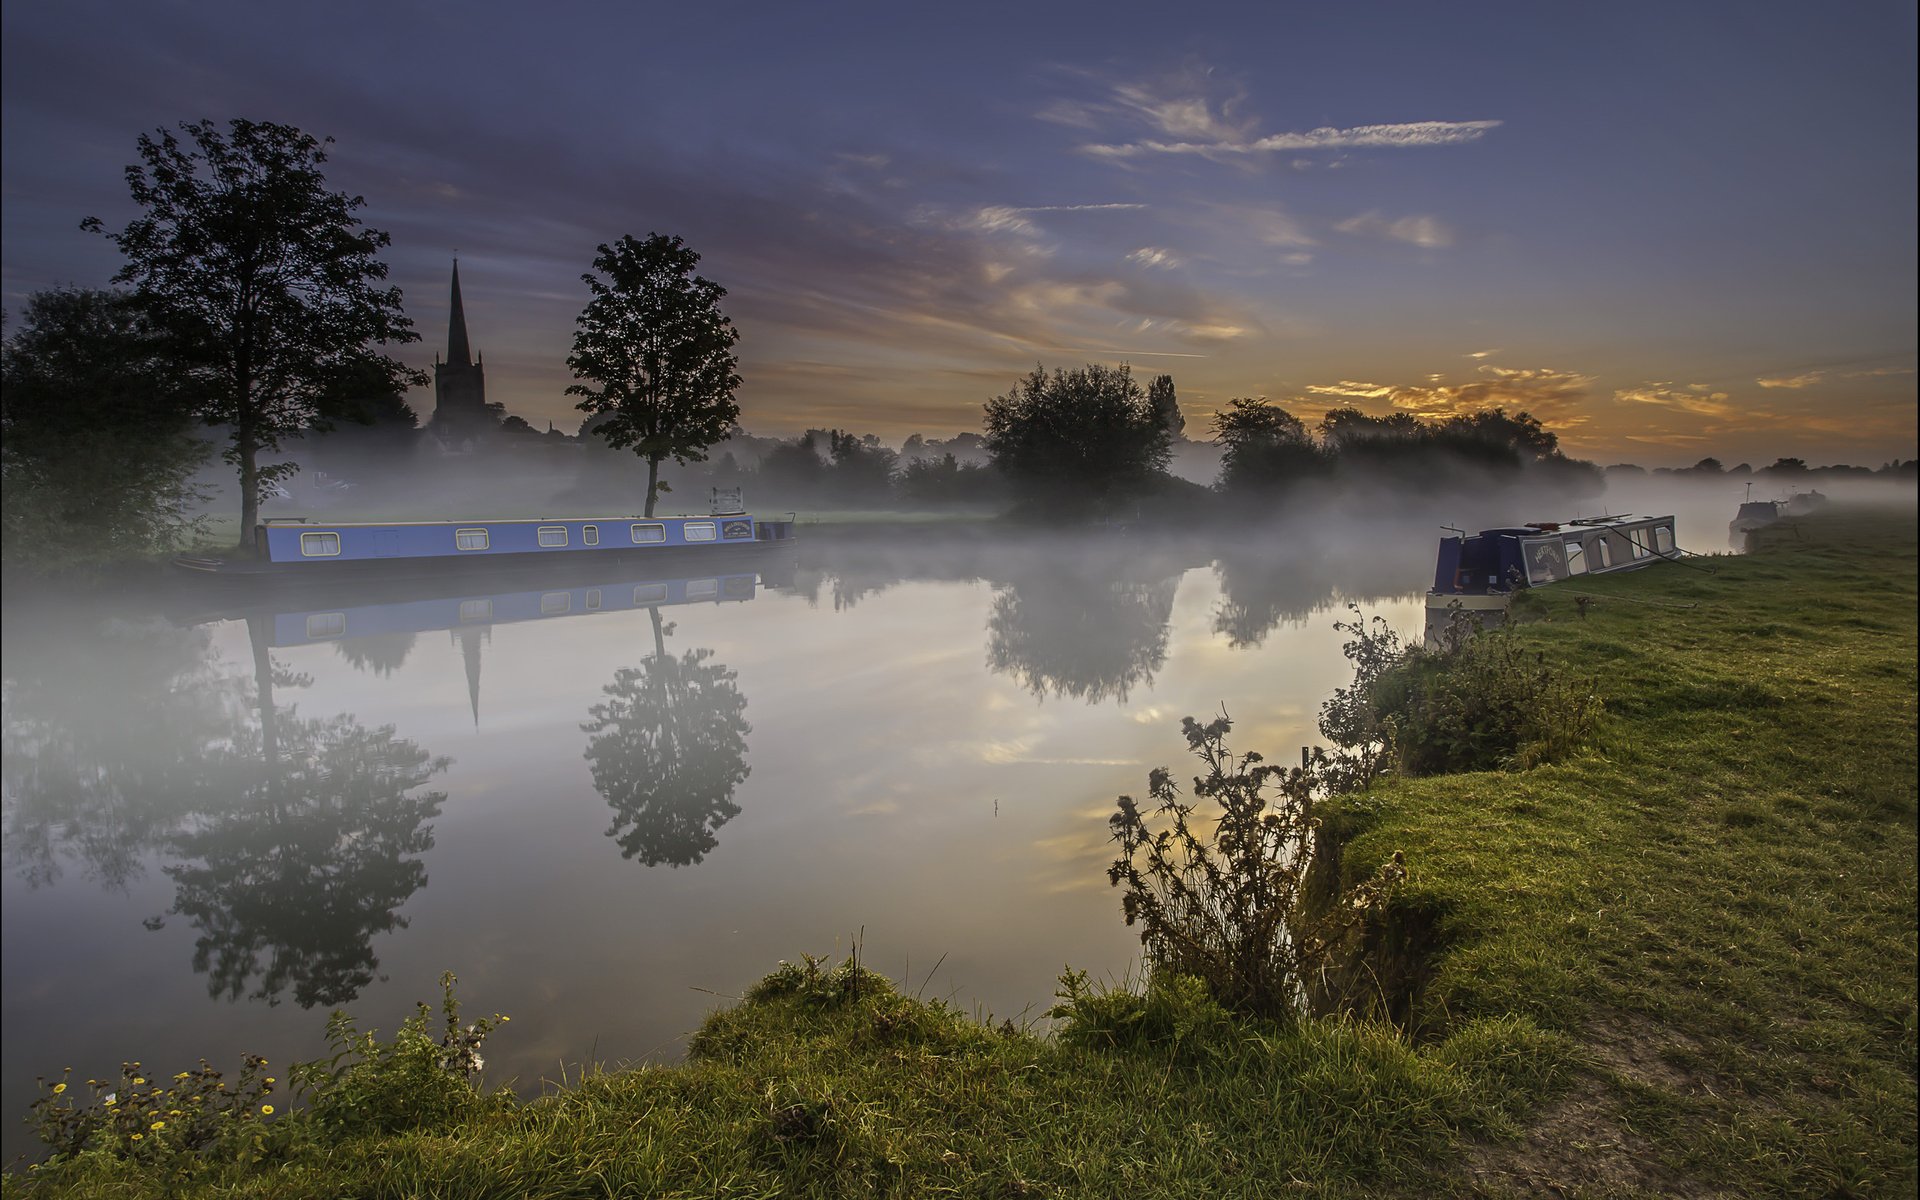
(1667, 229)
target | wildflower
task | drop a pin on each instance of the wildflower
(267, 1109)
(113, 1098)
(139, 1081)
(269, 1079)
(157, 1125)
(181, 1075)
(58, 1088)
(138, 1136)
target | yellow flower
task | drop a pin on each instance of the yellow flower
(139, 1081)
(269, 1079)
(138, 1136)
(181, 1075)
(267, 1109)
(157, 1125)
(58, 1088)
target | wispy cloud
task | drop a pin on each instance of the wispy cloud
(1693, 398)
(1790, 381)
(1401, 136)
(1560, 396)
(1155, 256)
(1877, 371)
(1421, 231)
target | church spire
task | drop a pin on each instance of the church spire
(458, 352)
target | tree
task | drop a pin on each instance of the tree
(264, 281)
(98, 454)
(1266, 447)
(654, 340)
(1079, 434)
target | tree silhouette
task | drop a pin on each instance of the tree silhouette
(264, 280)
(380, 653)
(654, 340)
(1091, 638)
(667, 751)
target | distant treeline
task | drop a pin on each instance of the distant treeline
(1783, 470)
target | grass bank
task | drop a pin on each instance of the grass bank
(1682, 962)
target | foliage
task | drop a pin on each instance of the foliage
(1174, 1012)
(1266, 447)
(168, 1127)
(1079, 437)
(264, 282)
(947, 480)
(655, 342)
(1475, 702)
(96, 451)
(1226, 906)
(411, 1082)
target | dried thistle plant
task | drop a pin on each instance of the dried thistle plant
(1225, 905)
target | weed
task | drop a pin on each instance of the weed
(1226, 908)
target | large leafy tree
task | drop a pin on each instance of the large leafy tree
(1082, 435)
(1266, 448)
(99, 452)
(265, 281)
(658, 354)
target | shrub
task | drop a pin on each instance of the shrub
(1225, 906)
(370, 1086)
(1476, 702)
(172, 1125)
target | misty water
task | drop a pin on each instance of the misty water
(916, 732)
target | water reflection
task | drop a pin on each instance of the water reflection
(668, 748)
(378, 654)
(1088, 636)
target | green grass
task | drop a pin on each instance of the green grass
(1681, 962)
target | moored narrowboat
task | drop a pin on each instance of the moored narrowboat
(304, 547)
(1478, 573)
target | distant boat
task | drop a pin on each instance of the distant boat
(1478, 573)
(305, 548)
(1754, 514)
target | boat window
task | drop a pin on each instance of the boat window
(1637, 538)
(476, 610)
(737, 529)
(699, 531)
(555, 603)
(552, 535)
(1576, 559)
(649, 533)
(593, 595)
(702, 589)
(470, 539)
(319, 545)
(1606, 551)
(590, 534)
(1663, 538)
(650, 593)
(326, 625)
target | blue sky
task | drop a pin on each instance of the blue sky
(1668, 229)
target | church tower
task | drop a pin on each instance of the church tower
(460, 417)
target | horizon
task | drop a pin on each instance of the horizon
(1702, 246)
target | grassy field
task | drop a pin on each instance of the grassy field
(1680, 963)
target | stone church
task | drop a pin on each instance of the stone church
(461, 419)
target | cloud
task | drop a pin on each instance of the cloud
(1877, 371)
(1481, 353)
(1402, 136)
(1421, 231)
(1155, 256)
(1559, 396)
(1791, 381)
(1693, 398)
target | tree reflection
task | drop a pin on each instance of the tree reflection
(290, 879)
(379, 653)
(1259, 593)
(667, 752)
(1087, 636)
(292, 841)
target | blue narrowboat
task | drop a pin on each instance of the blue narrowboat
(1478, 573)
(308, 548)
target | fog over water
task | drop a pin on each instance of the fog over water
(608, 799)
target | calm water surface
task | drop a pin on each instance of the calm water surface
(607, 802)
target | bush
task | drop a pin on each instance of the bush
(1226, 907)
(370, 1086)
(1477, 702)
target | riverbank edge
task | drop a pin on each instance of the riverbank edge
(1555, 1033)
